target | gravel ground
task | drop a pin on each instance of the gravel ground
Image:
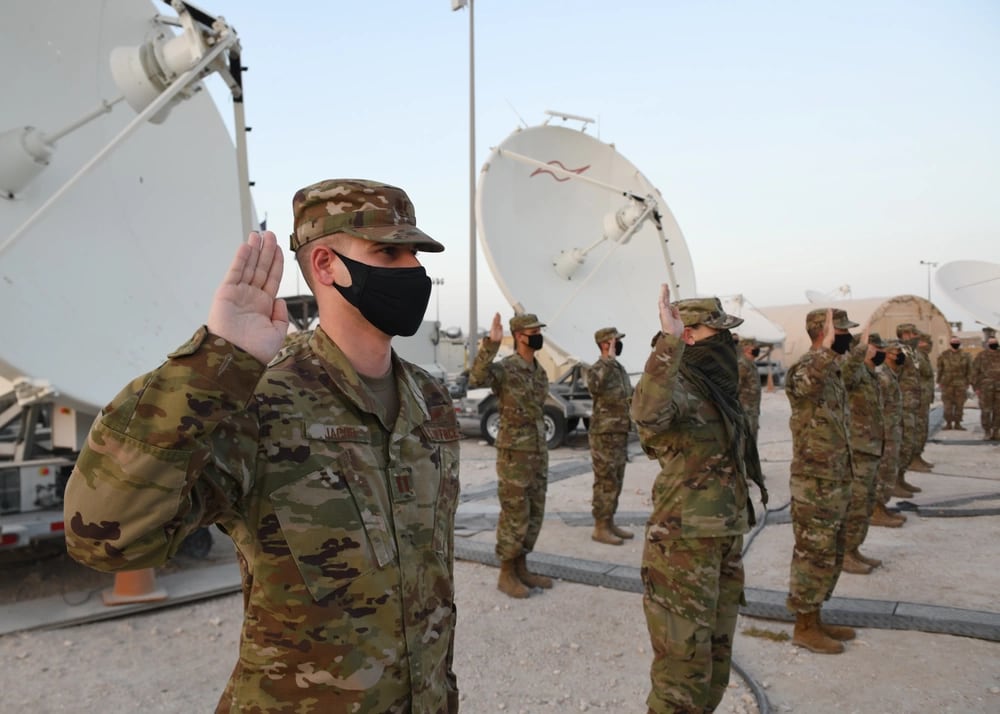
(576, 647)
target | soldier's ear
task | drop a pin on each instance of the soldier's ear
(687, 337)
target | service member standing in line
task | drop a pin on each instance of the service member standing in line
(611, 390)
(689, 417)
(521, 387)
(986, 382)
(909, 387)
(954, 375)
(888, 466)
(334, 468)
(746, 351)
(923, 351)
(821, 476)
(866, 424)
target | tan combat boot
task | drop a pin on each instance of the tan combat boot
(808, 634)
(882, 517)
(959, 427)
(837, 632)
(899, 491)
(509, 583)
(854, 566)
(532, 580)
(909, 486)
(620, 532)
(919, 465)
(604, 534)
(874, 562)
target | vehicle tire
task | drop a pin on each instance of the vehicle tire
(489, 425)
(555, 427)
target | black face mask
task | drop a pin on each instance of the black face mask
(392, 299)
(755, 351)
(956, 345)
(841, 343)
(618, 348)
(535, 342)
(994, 346)
(900, 359)
(879, 358)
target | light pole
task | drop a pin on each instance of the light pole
(929, 266)
(471, 343)
(437, 304)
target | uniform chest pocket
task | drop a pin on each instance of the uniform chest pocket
(332, 540)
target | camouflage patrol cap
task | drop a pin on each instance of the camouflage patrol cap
(524, 322)
(875, 340)
(817, 319)
(607, 333)
(892, 345)
(905, 327)
(363, 209)
(706, 311)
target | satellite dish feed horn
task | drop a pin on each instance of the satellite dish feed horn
(152, 109)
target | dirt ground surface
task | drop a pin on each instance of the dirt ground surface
(577, 647)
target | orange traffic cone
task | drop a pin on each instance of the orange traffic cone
(133, 586)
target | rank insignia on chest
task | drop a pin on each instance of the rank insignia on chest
(401, 481)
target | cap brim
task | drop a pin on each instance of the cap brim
(726, 323)
(402, 235)
(845, 325)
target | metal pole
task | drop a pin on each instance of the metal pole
(473, 299)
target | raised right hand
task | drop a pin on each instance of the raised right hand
(670, 316)
(245, 310)
(828, 330)
(496, 329)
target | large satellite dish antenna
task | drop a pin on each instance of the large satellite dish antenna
(975, 286)
(574, 232)
(754, 323)
(114, 231)
(817, 298)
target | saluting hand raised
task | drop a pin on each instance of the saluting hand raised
(246, 310)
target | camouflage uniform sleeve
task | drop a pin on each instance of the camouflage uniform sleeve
(653, 407)
(596, 376)
(852, 367)
(484, 373)
(809, 379)
(157, 465)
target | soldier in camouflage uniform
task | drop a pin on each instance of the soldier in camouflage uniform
(333, 465)
(954, 375)
(986, 382)
(924, 343)
(746, 351)
(866, 425)
(888, 466)
(521, 387)
(909, 387)
(689, 418)
(611, 391)
(821, 476)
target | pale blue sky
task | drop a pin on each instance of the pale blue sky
(800, 145)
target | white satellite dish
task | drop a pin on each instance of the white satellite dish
(818, 298)
(754, 323)
(975, 286)
(112, 244)
(573, 232)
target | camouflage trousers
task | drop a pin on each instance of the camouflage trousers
(862, 503)
(923, 427)
(953, 398)
(907, 442)
(989, 407)
(608, 453)
(818, 509)
(888, 470)
(522, 482)
(693, 591)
